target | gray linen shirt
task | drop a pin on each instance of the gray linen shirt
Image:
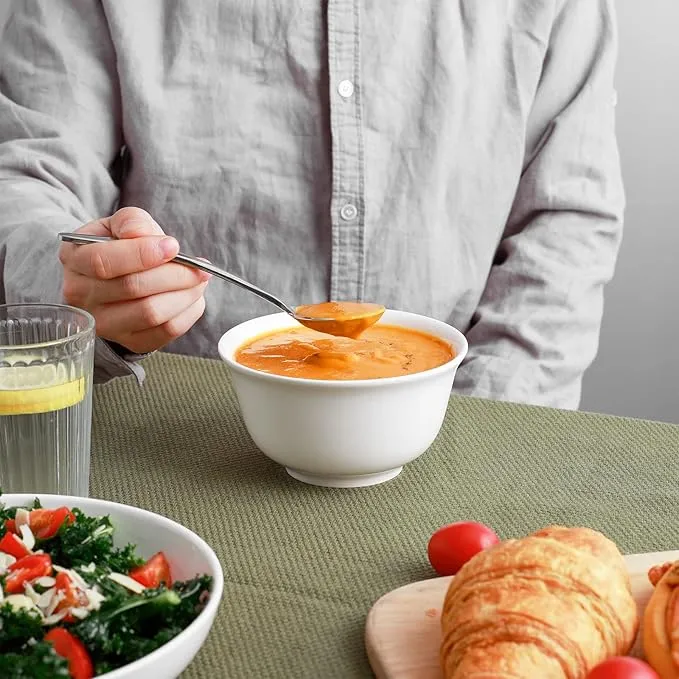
(456, 159)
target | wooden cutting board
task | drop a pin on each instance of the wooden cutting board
(403, 632)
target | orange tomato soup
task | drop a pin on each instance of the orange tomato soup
(381, 351)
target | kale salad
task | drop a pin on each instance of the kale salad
(73, 605)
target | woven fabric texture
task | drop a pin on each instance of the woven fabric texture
(302, 564)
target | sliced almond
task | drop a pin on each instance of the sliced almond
(31, 593)
(79, 613)
(6, 560)
(46, 598)
(56, 617)
(77, 579)
(56, 600)
(127, 582)
(27, 536)
(95, 599)
(45, 581)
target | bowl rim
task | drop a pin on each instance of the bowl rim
(216, 591)
(349, 384)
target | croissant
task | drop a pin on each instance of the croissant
(660, 629)
(552, 605)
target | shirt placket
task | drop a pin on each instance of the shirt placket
(348, 200)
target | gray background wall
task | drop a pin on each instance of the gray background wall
(637, 370)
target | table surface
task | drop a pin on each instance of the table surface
(302, 564)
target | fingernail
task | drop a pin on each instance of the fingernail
(169, 247)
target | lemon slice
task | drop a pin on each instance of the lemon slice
(38, 389)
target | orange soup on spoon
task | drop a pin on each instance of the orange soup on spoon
(348, 319)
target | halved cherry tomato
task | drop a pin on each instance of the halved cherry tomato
(45, 523)
(70, 647)
(623, 667)
(73, 597)
(11, 526)
(26, 570)
(153, 572)
(450, 547)
(10, 544)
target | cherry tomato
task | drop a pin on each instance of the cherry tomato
(26, 570)
(450, 547)
(70, 647)
(45, 523)
(623, 667)
(11, 526)
(10, 544)
(153, 572)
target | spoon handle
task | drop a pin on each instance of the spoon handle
(85, 239)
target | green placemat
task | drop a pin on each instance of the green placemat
(304, 564)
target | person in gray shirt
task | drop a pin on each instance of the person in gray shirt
(455, 159)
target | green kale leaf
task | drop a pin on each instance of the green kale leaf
(17, 627)
(89, 539)
(37, 661)
(130, 626)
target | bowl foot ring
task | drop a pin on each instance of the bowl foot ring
(344, 481)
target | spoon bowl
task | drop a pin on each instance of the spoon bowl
(347, 319)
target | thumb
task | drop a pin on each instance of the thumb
(133, 222)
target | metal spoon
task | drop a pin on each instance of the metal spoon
(334, 326)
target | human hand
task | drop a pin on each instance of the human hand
(139, 299)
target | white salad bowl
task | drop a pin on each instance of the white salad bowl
(343, 433)
(188, 555)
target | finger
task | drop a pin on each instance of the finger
(99, 227)
(143, 314)
(156, 338)
(105, 261)
(133, 222)
(165, 278)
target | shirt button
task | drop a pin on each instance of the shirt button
(345, 88)
(348, 212)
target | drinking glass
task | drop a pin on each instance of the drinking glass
(46, 365)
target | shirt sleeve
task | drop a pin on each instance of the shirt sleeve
(536, 328)
(60, 132)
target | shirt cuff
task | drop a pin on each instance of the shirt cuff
(112, 360)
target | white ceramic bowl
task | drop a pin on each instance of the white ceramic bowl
(343, 433)
(188, 554)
